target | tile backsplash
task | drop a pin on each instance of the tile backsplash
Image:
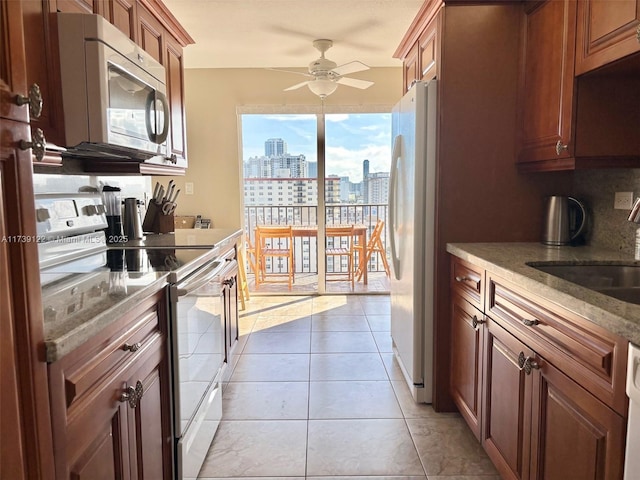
(608, 228)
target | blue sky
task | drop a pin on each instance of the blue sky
(350, 138)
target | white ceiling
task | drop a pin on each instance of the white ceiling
(279, 33)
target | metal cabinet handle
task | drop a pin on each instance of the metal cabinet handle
(561, 147)
(38, 144)
(34, 99)
(475, 321)
(530, 323)
(527, 364)
(132, 348)
(461, 279)
(132, 395)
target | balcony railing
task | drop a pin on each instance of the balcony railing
(306, 247)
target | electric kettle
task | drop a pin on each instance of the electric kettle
(564, 220)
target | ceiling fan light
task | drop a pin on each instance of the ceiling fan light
(322, 87)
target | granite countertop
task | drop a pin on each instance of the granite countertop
(185, 238)
(120, 291)
(509, 260)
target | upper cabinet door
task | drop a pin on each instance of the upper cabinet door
(43, 65)
(12, 64)
(150, 33)
(122, 14)
(175, 96)
(410, 68)
(547, 82)
(428, 51)
(607, 31)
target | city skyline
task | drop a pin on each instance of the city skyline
(350, 139)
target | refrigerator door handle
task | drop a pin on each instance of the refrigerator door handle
(393, 188)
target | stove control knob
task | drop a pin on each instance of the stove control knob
(69, 223)
(90, 210)
(42, 215)
(50, 314)
(95, 291)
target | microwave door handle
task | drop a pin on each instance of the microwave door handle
(150, 108)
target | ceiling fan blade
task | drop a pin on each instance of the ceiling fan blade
(297, 85)
(354, 82)
(284, 70)
(351, 67)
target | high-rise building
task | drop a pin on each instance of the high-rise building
(377, 188)
(274, 147)
(365, 175)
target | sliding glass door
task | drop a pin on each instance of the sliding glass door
(316, 172)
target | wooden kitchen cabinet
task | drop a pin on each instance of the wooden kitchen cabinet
(25, 424)
(551, 384)
(606, 31)
(507, 395)
(467, 357)
(567, 122)
(411, 68)
(111, 400)
(150, 35)
(428, 50)
(122, 14)
(175, 96)
(547, 83)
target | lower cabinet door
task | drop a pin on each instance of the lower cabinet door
(506, 403)
(579, 437)
(467, 337)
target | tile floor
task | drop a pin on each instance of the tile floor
(316, 393)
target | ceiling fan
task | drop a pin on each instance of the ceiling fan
(326, 75)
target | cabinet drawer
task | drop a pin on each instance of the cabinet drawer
(78, 373)
(585, 352)
(467, 280)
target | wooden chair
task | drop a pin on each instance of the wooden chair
(251, 256)
(274, 242)
(373, 245)
(339, 251)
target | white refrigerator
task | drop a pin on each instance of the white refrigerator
(412, 235)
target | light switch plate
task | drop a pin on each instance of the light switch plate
(188, 187)
(623, 200)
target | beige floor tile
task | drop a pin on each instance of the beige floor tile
(409, 407)
(257, 448)
(257, 478)
(358, 477)
(266, 401)
(272, 368)
(352, 399)
(361, 447)
(373, 307)
(463, 477)
(351, 308)
(342, 342)
(392, 367)
(383, 341)
(282, 323)
(347, 366)
(339, 323)
(379, 323)
(278, 342)
(447, 447)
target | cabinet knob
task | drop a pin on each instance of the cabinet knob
(561, 147)
(34, 99)
(530, 323)
(131, 348)
(38, 144)
(475, 321)
(527, 364)
(132, 394)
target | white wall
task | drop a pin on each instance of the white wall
(211, 99)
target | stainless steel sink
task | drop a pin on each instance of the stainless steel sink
(618, 281)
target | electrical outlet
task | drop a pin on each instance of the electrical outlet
(188, 187)
(623, 200)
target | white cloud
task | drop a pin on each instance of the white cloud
(337, 117)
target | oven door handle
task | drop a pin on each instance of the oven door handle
(185, 288)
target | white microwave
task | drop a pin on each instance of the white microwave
(113, 92)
